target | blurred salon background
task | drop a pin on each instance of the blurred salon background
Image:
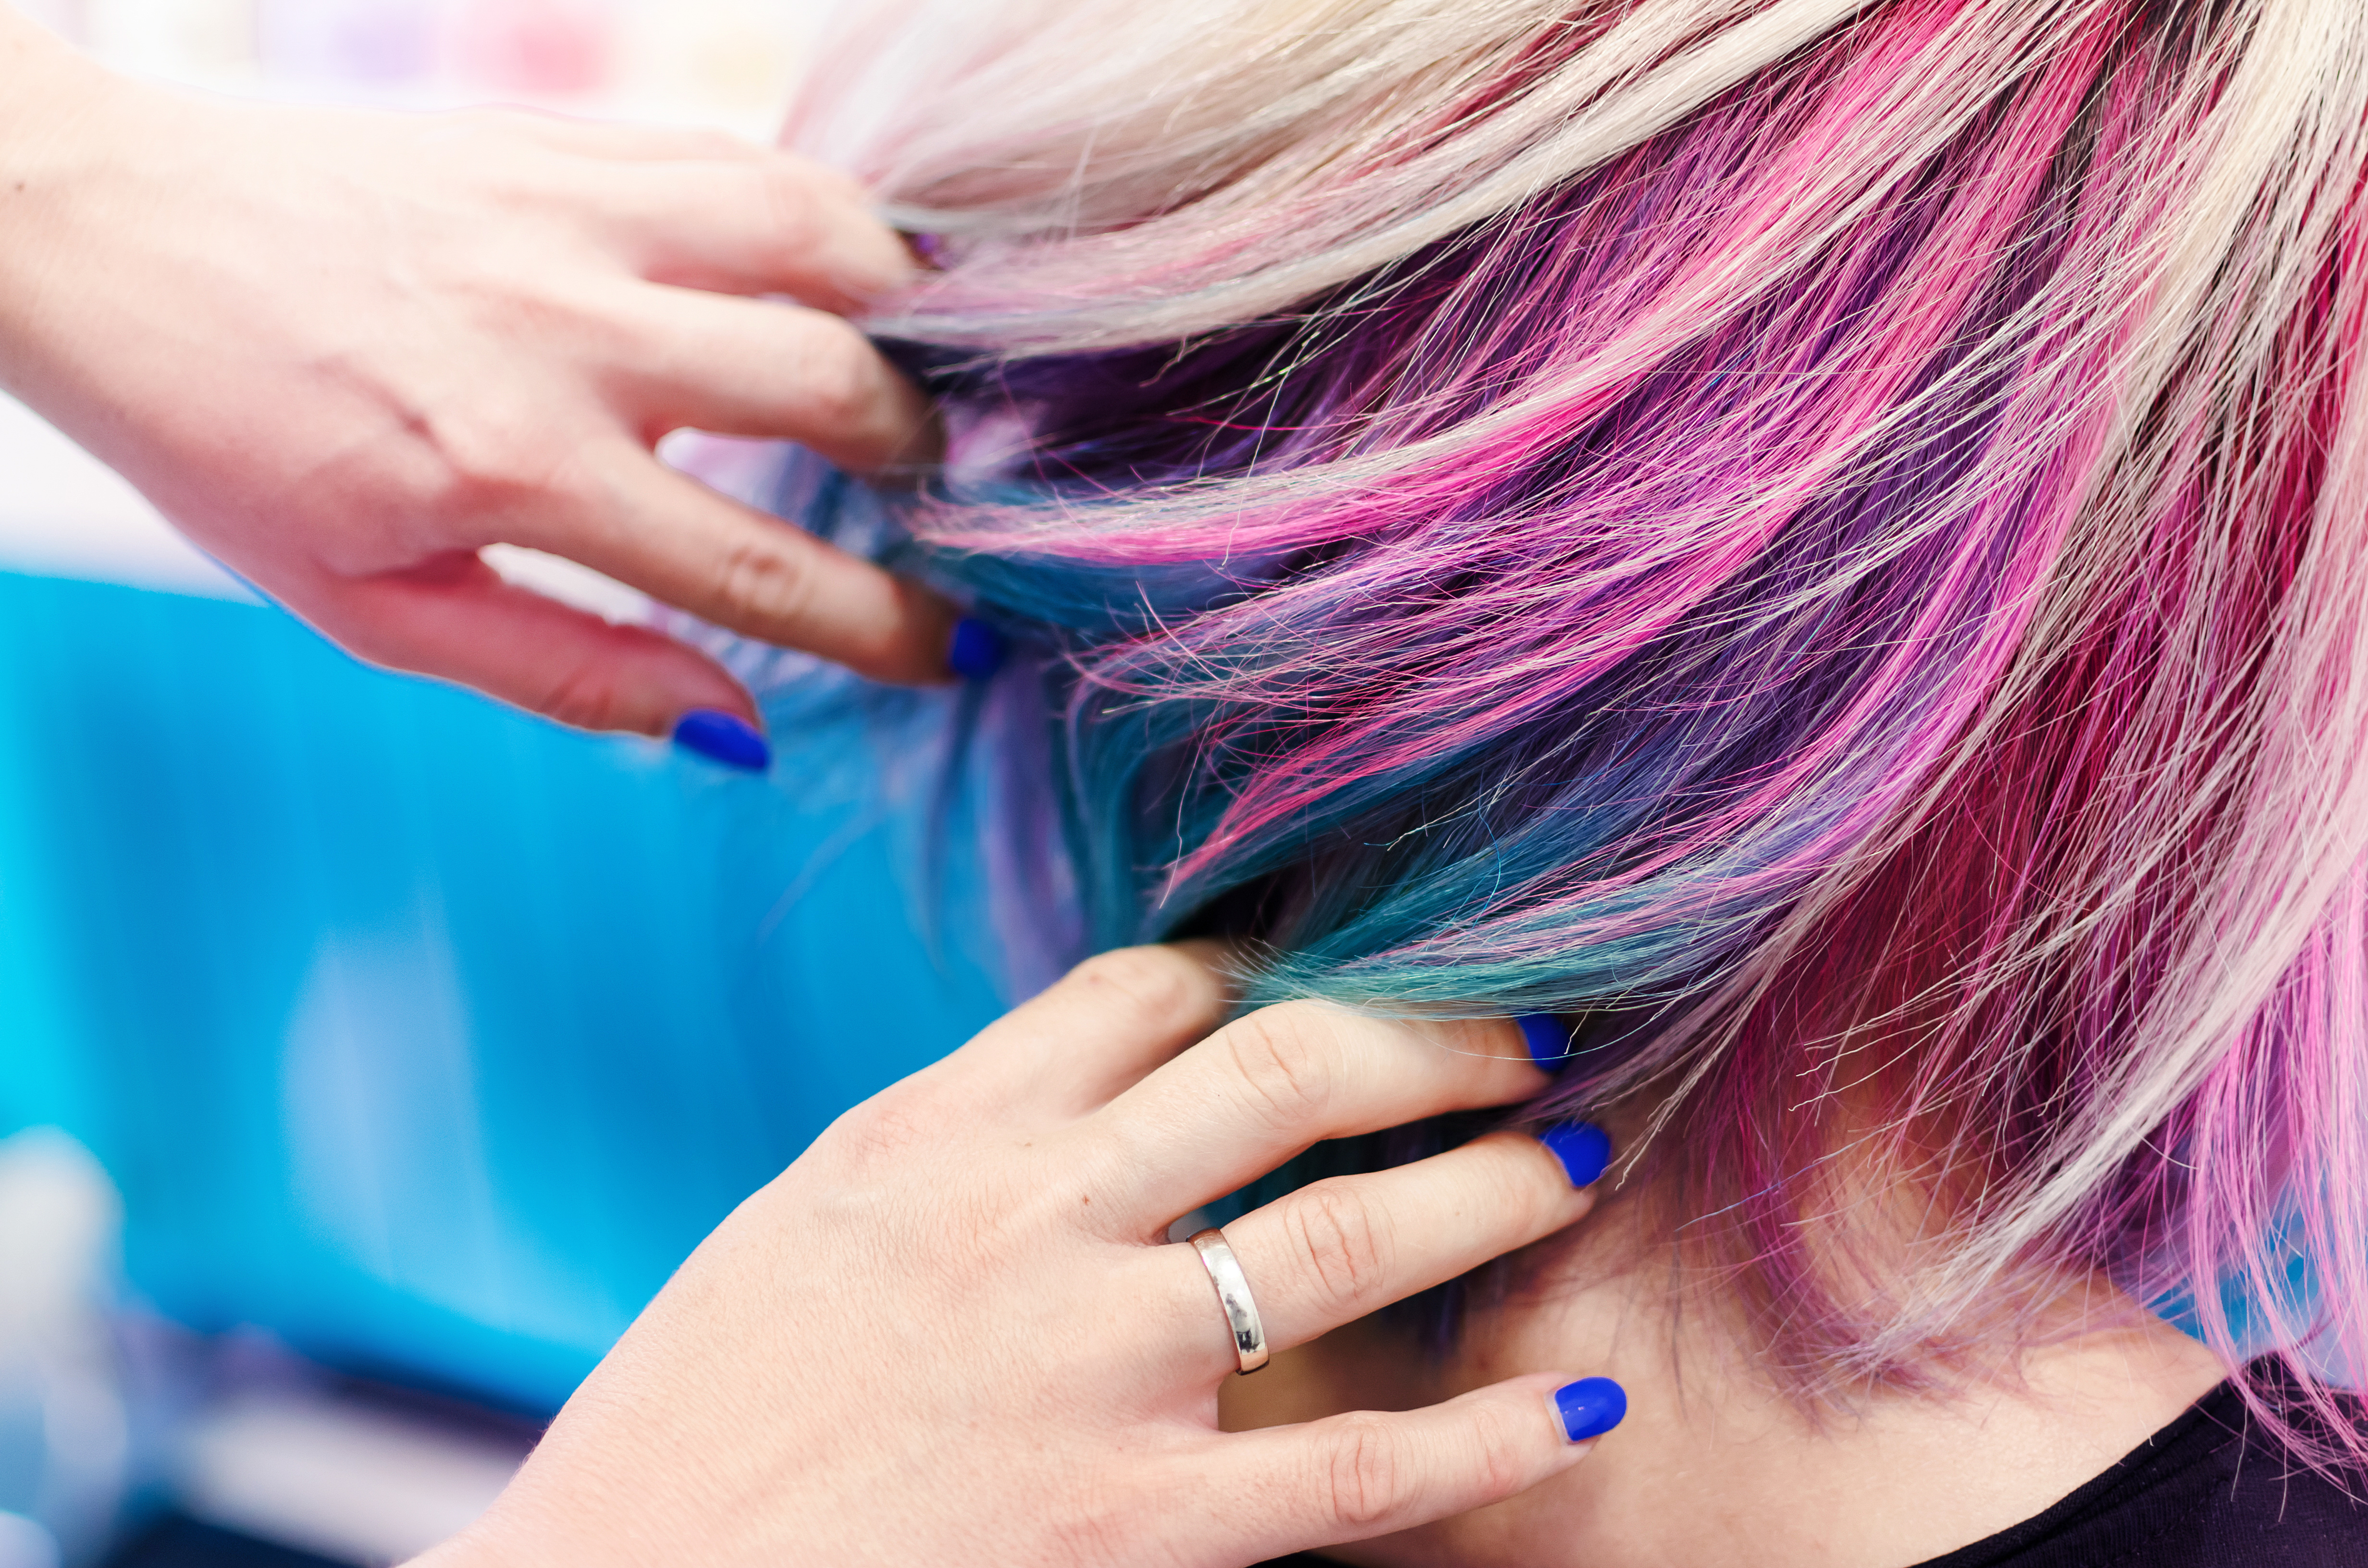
(369, 1053)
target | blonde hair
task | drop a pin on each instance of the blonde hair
(1823, 539)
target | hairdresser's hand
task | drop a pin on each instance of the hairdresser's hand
(952, 1333)
(342, 351)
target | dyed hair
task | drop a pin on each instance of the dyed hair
(1821, 540)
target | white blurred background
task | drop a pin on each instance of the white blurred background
(717, 61)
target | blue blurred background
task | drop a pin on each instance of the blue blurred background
(426, 1035)
(417, 1041)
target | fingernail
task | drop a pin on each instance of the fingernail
(977, 649)
(1583, 1148)
(1548, 1041)
(1588, 1408)
(723, 737)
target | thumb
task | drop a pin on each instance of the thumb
(1367, 1473)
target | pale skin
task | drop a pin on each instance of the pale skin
(1715, 1466)
(951, 1332)
(345, 351)
(954, 1331)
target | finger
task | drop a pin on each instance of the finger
(458, 620)
(760, 367)
(770, 225)
(634, 519)
(621, 140)
(1337, 1249)
(1270, 1084)
(1101, 1027)
(1351, 1477)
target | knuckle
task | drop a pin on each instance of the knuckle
(790, 206)
(1341, 1240)
(584, 696)
(1500, 1458)
(1142, 985)
(1106, 1518)
(1278, 1061)
(495, 457)
(1364, 1472)
(1528, 1190)
(885, 1132)
(837, 384)
(756, 578)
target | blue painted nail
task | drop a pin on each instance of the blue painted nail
(977, 649)
(1548, 1041)
(1590, 1407)
(1583, 1148)
(723, 737)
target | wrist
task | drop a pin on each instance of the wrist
(65, 146)
(48, 90)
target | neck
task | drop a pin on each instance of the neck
(1714, 1464)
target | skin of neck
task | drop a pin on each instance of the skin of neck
(1715, 1463)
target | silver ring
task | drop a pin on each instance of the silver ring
(1233, 1295)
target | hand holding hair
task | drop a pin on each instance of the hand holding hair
(345, 351)
(953, 1331)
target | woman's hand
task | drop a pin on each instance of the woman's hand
(952, 1333)
(344, 351)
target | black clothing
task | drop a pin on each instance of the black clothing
(2211, 1490)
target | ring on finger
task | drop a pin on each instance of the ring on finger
(1234, 1296)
